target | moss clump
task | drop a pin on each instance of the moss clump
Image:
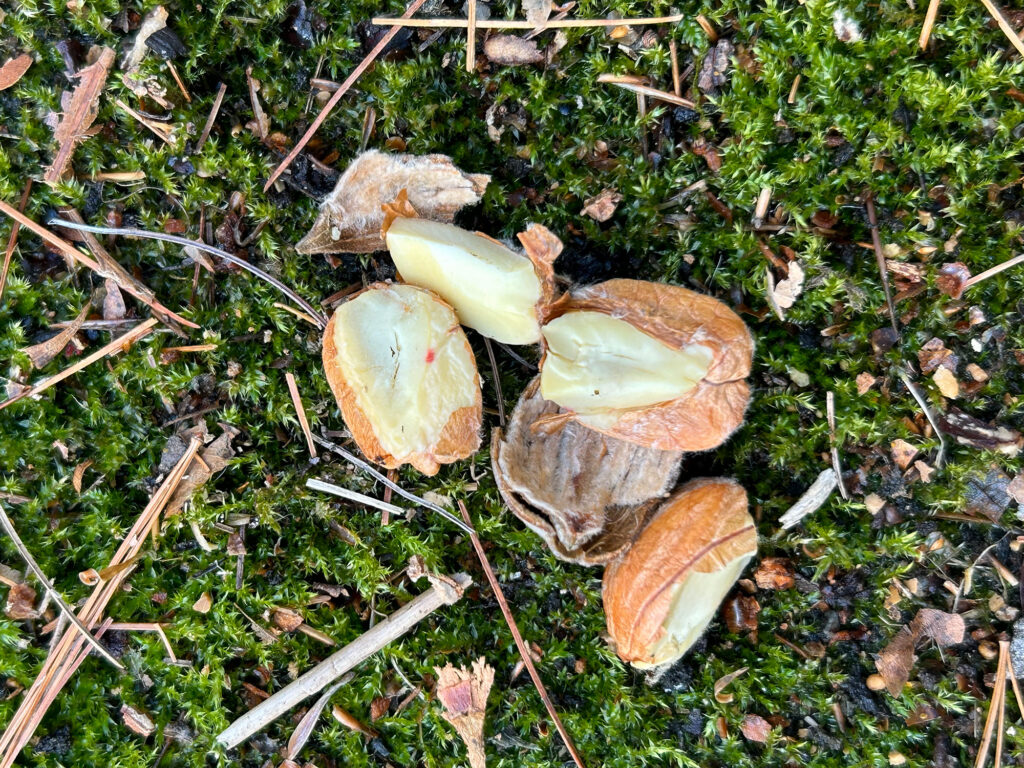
(935, 137)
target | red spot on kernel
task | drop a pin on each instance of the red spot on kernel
(430, 355)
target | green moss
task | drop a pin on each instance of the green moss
(942, 118)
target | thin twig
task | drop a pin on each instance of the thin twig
(117, 344)
(471, 35)
(524, 652)
(68, 250)
(293, 388)
(451, 23)
(184, 241)
(830, 411)
(443, 591)
(345, 493)
(12, 241)
(929, 22)
(1004, 25)
(635, 84)
(212, 117)
(349, 81)
(876, 241)
(497, 382)
(355, 460)
(33, 566)
(928, 415)
(993, 271)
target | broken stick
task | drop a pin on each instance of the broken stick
(444, 591)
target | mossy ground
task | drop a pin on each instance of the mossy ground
(907, 122)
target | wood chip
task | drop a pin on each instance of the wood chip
(903, 453)
(13, 70)
(602, 206)
(137, 722)
(924, 471)
(947, 383)
(813, 498)
(80, 111)
(203, 604)
(775, 573)
(865, 381)
(874, 503)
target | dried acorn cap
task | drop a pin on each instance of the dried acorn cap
(586, 494)
(405, 377)
(660, 597)
(654, 364)
(350, 217)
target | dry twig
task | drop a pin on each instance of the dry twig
(524, 652)
(212, 117)
(120, 343)
(444, 591)
(349, 81)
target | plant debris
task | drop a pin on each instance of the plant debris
(351, 217)
(13, 70)
(80, 108)
(463, 693)
(895, 661)
(512, 51)
(601, 207)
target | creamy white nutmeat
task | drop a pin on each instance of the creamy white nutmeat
(599, 366)
(406, 359)
(493, 289)
(694, 603)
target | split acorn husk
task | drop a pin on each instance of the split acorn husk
(586, 494)
(662, 594)
(654, 364)
(405, 377)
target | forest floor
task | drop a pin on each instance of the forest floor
(815, 107)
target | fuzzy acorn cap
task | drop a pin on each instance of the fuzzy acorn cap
(696, 420)
(433, 389)
(660, 597)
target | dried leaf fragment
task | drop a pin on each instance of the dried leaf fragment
(463, 693)
(537, 11)
(203, 604)
(895, 661)
(154, 21)
(80, 111)
(79, 473)
(586, 494)
(602, 206)
(42, 353)
(512, 51)
(286, 619)
(350, 217)
(755, 728)
(903, 453)
(21, 603)
(715, 66)
(775, 573)
(865, 381)
(976, 433)
(952, 279)
(215, 457)
(13, 70)
(137, 721)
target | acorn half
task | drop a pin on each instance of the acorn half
(661, 596)
(653, 364)
(404, 376)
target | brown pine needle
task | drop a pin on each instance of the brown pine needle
(677, 85)
(993, 271)
(293, 388)
(637, 85)
(929, 22)
(995, 710)
(1010, 32)
(177, 79)
(791, 99)
(471, 36)
(161, 130)
(33, 566)
(118, 344)
(298, 313)
(876, 241)
(71, 649)
(446, 23)
(524, 652)
(330, 105)
(212, 118)
(68, 250)
(12, 241)
(137, 626)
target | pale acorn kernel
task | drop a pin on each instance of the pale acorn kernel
(493, 289)
(599, 366)
(408, 364)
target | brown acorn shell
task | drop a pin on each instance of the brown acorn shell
(586, 494)
(459, 439)
(702, 528)
(705, 416)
